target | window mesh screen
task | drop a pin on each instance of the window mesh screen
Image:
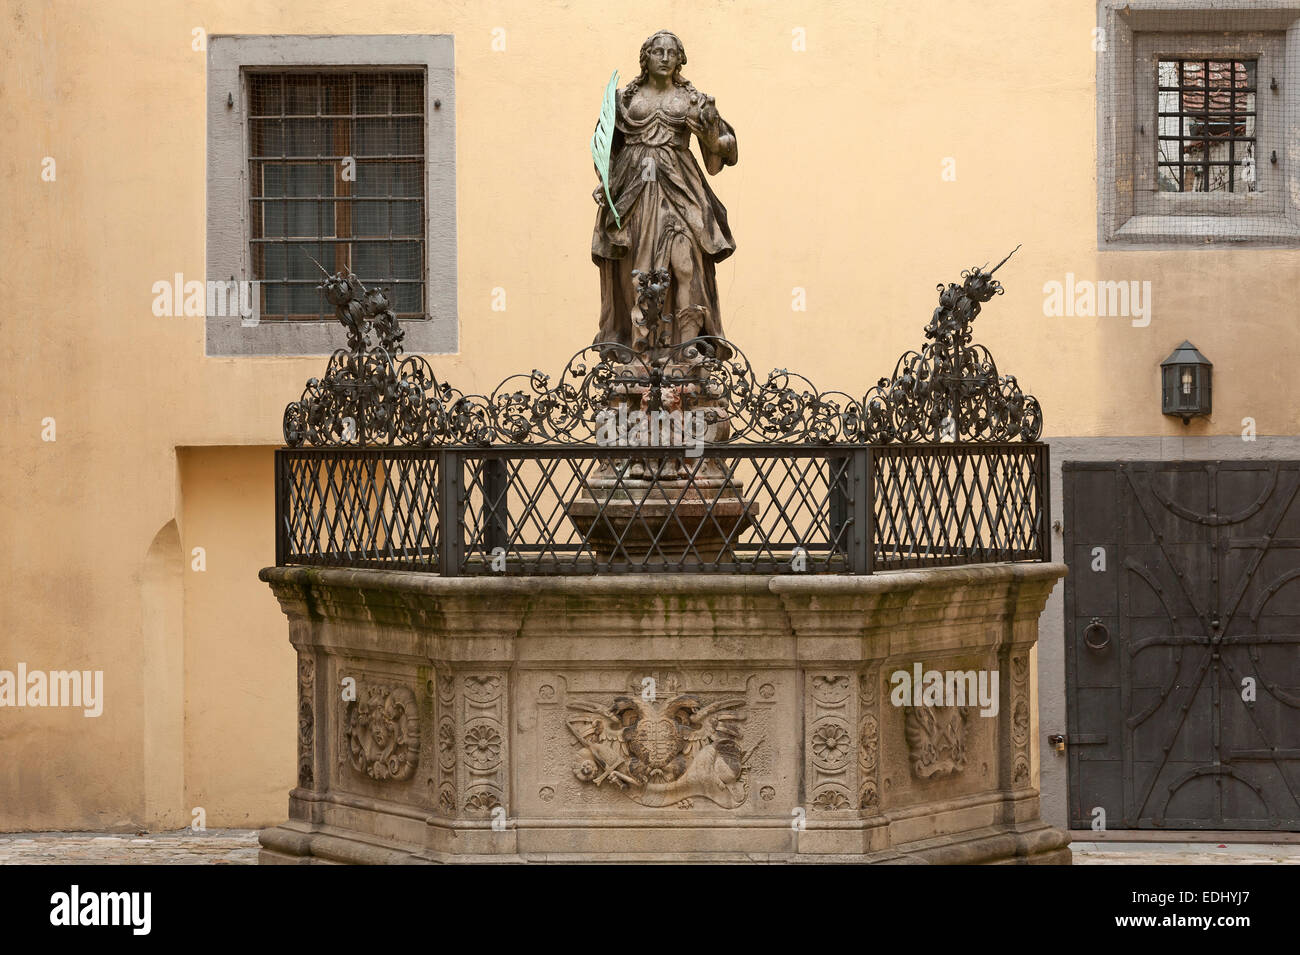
(336, 174)
(1195, 111)
(1206, 140)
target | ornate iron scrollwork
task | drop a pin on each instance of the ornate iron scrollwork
(951, 389)
(371, 395)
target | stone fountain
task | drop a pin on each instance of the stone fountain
(656, 670)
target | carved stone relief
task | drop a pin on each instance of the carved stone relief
(1020, 719)
(444, 782)
(868, 742)
(664, 753)
(306, 720)
(482, 741)
(703, 739)
(382, 729)
(829, 763)
(936, 739)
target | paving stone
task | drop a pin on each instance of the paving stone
(215, 846)
(239, 847)
(1183, 853)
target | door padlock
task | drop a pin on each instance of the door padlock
(1058, 742)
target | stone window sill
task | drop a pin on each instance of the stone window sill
(1274, 230)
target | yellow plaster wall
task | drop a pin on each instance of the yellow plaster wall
(838, 191)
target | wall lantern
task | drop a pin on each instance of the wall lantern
(1185, 383)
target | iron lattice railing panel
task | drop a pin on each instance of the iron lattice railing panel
(735, 509)
(948, 504)
(349, 507)
(570, 510)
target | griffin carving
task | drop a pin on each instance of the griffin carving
(664, 754)
(936, 739)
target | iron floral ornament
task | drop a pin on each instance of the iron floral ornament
(372, 395)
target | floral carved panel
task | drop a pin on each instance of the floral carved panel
(480, 736)
(443, 781)
(830, 759)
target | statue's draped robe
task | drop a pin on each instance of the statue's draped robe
(673, 204)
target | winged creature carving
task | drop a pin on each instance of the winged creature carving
(664, 754)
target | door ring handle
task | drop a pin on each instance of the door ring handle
(1096, 625)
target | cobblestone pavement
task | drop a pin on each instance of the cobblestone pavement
(213, 847)
(239, 847)
(1182, 853)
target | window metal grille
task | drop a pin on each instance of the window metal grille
(1207, 114)
(336, 174)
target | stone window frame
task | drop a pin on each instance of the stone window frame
(1136, 32)
(229, 59)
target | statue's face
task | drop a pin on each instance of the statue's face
(664, 57)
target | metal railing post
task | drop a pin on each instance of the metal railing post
(862, 552)
(281, 533)
(841, 501)
(496, 503)
(451, 518)
(1045, 500)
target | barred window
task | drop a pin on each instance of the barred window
(336, 175)
(1195, 101)
(1207, 117)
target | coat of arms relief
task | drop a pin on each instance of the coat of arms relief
(664, 753)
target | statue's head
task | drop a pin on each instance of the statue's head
(662, 54)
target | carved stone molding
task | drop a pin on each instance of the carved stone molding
(868, 742)
(936, 739)
(306, 720)
(383, 731)
(444, 780)
(829, 763)
(481, 741)
(1020, 719)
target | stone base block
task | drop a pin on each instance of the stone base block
(1041, 845)
(687, 527)
(665, 718)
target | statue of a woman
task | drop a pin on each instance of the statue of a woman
(669, 216)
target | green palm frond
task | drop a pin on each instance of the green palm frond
(602, 142)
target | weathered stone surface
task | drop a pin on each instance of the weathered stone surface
(663, 717)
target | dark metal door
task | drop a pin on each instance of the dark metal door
(1182, 612)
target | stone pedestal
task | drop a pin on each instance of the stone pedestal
(658, 520)
(665, 502)
(661, 718)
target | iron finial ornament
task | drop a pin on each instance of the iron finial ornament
(951, 390)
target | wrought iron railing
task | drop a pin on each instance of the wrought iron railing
(813, 510)
(661, 457)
